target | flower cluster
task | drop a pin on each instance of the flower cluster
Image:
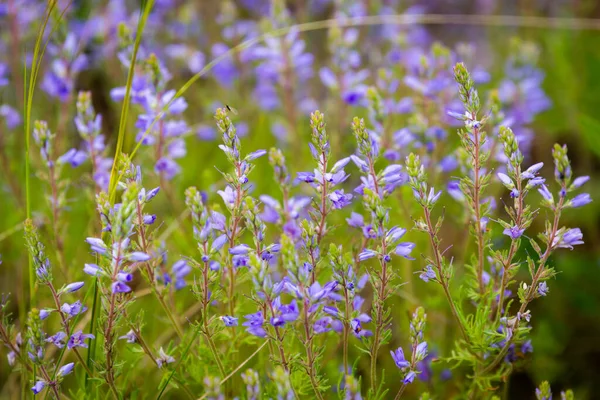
(272, 277)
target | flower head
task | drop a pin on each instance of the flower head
(163, 358)
(229, 321)
(398, 357)
(78, 340)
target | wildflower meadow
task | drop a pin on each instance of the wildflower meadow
(314, 199)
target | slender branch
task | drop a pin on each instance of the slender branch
(531, 291)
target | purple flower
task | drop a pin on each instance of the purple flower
(138, 256)
(97, 245)
(66, 369)
(316, 292)
(38, 387)
(322, 325)
(78, 340)
(532, 171)
(149, 219)
(151, 194)
(73, 156)
(163, 358)
(45, 313)
(506, 180)
(527, 347)
(92, 269)
(578, 182)
(543, 289)
(366, 254)
(229, 321)
(74, 309)
(537, 181)
(255, 323)
(129, 336)
(72, 287)
(570, 238)
(356, 220)
(421, 351)
(124, 277)
(228, 196)
(256, 154)
(428, 274)
(307, 177)
(285, 312)
(339, 199)
(409, 378)
(398, 357)
(180, 270)
(58, 339)
(241, 249)
(546, 193)
(581, 200)
(395, 234)
(120, 287)
(404, 250)
(12, 118)
(514, 232)
(218, 243)
(356, 326)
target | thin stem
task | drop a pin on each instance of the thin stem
(205, 303)
(55, 211)
(380, 313)
(381, 290)
(159, 297)
(148, 352)
(513, 247)
(309, 353)
(6, 339)
(531, 292)
(443, 281)
(346, 328)
(477, 209)
(51, 383)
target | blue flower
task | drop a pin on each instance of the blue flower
(255, 323)
(356, 326)
(366, 254)
(163, 358)
(241, 249)
(229, 321)
(78, 340)
(58, 339)
(428, 274)
(129, 336)
(570, 238)
(284, 312)
(410, 377)
(580, 181)
(138, 256)
(398, 357)
(421, 351)
(120, 287)
(339, 199)
(543, 289)
(92, 269)
(514, 232)
(38, 387)
(404, 250)
(66, 369)
(74, 309)
(580, 200)
(72, 287)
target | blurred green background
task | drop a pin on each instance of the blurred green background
(566, 327)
